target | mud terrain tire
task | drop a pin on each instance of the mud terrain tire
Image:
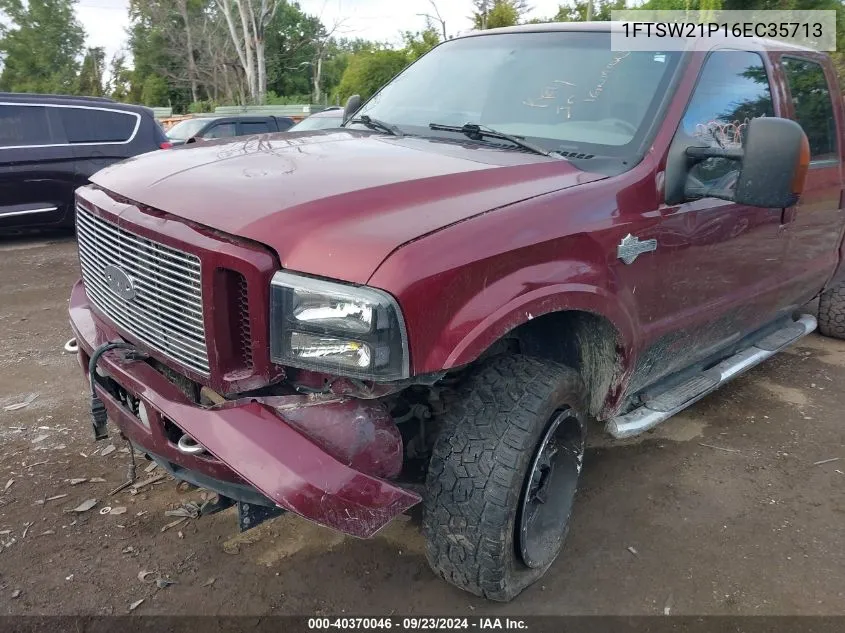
(483, 466)
(832, 312)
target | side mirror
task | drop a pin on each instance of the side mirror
(774, 167)
(773, 164)
(353, 103)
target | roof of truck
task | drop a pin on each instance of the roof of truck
(548, 27)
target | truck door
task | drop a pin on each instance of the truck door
(717, 268)
(814, 226)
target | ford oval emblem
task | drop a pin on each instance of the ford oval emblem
(119, 282)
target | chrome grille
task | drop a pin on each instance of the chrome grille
(166, 311)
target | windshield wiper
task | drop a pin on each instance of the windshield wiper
(478, 132)
(378, 125)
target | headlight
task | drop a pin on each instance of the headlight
(337, 328)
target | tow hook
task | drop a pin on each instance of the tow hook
(189, 446)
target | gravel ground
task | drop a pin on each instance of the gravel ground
(723, 510)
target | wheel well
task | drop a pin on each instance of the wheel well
(584, 341)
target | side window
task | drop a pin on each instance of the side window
(254, 127)
(813, 107)
(83, 125)
(284, 123)
(221, 130)
(25, 125)
(733, 88)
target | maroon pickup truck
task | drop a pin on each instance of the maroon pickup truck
(523, 235)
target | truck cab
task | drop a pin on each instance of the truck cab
(213, 127)
(524, 238)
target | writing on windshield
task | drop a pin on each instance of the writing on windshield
(562, 90)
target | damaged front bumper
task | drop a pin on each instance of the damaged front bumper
(324, 459)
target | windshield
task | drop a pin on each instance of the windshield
(318, 123)
(566, 91)
(184, 130)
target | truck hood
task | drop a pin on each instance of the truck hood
(334, 203)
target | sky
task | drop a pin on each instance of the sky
(105, 21)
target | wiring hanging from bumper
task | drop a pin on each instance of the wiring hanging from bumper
(99, 417)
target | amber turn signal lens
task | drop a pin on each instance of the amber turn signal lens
(801, 168)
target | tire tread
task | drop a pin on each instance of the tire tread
(475, 473)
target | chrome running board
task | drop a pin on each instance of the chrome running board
(659, 408)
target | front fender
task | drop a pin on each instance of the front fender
(559, 297)
(469, 284)
(455, 316)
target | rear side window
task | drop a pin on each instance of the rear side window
(254, 127)
(223, 130)
(733, 88)
(813, 107)
(83, 125)
(25, 125)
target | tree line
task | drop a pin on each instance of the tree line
(195, 54)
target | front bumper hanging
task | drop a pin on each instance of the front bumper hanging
(323, 461)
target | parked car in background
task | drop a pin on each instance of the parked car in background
(206, 128)
(333, 117)
(51, 144)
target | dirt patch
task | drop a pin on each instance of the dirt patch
(828, 351)
(788, 395)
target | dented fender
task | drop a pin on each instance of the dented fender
(359, 433)
(536, 303)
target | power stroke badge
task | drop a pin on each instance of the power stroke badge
(631, 247)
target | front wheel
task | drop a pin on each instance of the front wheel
(503, 475)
